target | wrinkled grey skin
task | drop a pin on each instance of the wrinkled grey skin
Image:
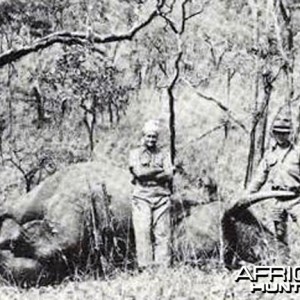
(79, 220)
(15, 266)
(247, 238)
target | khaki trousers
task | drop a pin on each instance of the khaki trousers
(281, 212)
(152, 230)
(281, 234)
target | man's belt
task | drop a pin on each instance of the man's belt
(152, 184)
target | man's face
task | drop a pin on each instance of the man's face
(282, 138)
(150, 139)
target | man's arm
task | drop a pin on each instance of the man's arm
(146, 173)
(255, 184)
(168, 170)
(259, 178)
(164, 176)
(141, 172)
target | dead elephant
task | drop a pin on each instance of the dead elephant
(79, 221)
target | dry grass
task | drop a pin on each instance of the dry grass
(180, 282)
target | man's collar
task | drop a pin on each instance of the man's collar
(290, 146)
(145, 149)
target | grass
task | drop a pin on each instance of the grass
(180, 282)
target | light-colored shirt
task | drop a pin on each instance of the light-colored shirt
(142, 158)
(280, 168)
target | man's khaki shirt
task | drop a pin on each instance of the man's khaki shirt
(280, 169)
(140, 158)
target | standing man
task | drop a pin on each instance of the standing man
(280, 168)
(152, 173)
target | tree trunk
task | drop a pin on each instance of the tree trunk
(297, 131)
(172, 127)
(251, 153)
(110, 112)
(267, 81)
(228, 88)
(90, 126)
(39, 107)
(285, 40)
(9, 100)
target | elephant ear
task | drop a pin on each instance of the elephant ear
(60, 230)
(31, 205)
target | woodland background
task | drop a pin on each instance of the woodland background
(78, 78)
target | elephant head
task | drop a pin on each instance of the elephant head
(76, 220)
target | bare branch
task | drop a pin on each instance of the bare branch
(232, 74)
(204, 135)
(17, 166)
(221, 58)
(173, 82)
(78, 38)
(274, 78)
(219, 104)
(259, 114)
(98, 50)
(156, 47)
(295, 99)
(184, 18)
(211, 48)
(284, 12)
(196, 13)
(183, 11)
(199, 12)
(170, 22)
(170, 6)
(279, 39)
(162, 68)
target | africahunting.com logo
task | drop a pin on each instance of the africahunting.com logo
(271, 279)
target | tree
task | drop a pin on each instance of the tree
(278, 53)
(71, 38)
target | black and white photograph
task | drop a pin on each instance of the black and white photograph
(149, 149)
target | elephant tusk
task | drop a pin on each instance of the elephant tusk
(254, 198)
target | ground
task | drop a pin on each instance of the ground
(180, 282)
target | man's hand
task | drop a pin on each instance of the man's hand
(163, 177)
(146, 173)
(242, 201)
